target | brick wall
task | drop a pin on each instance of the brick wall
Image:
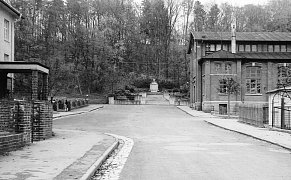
(22, 117)
(16, 121)
(6, 117)
(42, 114)
(11, 142)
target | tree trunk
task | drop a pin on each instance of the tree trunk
(79, 86)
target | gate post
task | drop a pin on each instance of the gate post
(282, 113)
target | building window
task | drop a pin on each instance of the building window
(270, 48)
(217, 68)
(241, 48)
(254, 48)
(265, 48)
(284, 73)
(6, 57)
(248, 48)
(283, 48)
(253, 80)
(222, 86)
(225, 47)
(207, 47)
(6, 30)
(228, 68)
(218, 47)
(277, 48)
(212, 47)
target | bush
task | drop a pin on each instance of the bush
(167, 84)
(130, 88)
(142, 83)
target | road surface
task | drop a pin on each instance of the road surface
(170, 144)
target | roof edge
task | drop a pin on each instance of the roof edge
(16, 12)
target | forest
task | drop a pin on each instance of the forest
(98, 46)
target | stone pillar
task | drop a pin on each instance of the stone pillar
(3, 84)
(45, 87)
(34, 85)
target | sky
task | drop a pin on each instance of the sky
(232, 2)
(237, 2)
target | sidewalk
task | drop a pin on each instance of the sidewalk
(91, 107)
(282, 139)
(68, 155)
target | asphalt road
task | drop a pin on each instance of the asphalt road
(170, 144)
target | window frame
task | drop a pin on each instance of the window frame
(6, 30)
(253, 80)
(226, 70)
(222, 86)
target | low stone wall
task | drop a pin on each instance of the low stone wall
(174, 100)
(127, 102)
(123, 100)
(61, 105)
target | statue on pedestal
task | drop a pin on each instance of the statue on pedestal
(154, 87)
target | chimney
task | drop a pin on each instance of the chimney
(233, 35)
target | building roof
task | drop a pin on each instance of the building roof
(242, 36)
(22, 67)
(288, 89)
(221, 54)
(266, 55)
(7, 6)
(249, 55)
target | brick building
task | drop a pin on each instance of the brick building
(258, 61)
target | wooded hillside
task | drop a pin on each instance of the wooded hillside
(95, 46)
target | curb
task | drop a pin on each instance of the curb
(72, 114)
(212, 116)
(261, 139)
(90, 172)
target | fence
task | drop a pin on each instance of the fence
(282, 118)
(254, 114)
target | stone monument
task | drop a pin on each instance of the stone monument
(154, 87)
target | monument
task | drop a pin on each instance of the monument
(154, 87)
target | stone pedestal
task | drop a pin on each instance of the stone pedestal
(154, 87)
(111, 100)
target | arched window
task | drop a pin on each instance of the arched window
(228, 68)
(218, 68)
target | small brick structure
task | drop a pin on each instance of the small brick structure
(23, 122)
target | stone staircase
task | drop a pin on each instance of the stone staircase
(156, 99)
